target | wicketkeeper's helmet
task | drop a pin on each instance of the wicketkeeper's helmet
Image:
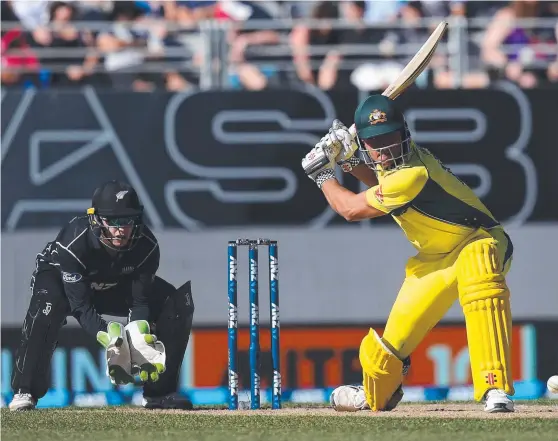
(116, 204)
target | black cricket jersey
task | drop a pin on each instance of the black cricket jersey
(86, 266)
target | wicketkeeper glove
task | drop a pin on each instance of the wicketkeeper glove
(119, 368)
(147, 353)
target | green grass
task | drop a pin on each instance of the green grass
(112, 424)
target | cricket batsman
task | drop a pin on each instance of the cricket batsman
(462, 253)
(106, 263)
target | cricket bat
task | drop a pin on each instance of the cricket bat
(414, 67)
(417, 64)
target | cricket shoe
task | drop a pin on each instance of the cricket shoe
(348, 399)
(496, 401)
(170, 401)
(22, 401)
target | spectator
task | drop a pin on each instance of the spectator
(248, 64)
(439, 9)
(125, 48)
(481, 9)
(398, 45)
(19, 62)
(64, 35)
(316, 68)
(523, 63)
(383, 11)
(371, 68)
(31, 14)
(439, 73)
(169, 43)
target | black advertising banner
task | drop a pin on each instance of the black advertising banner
(231, 158)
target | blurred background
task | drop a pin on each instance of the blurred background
(207, 107)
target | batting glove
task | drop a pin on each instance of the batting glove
(346, 158)
(318, 165)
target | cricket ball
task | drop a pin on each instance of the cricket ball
(552, 384)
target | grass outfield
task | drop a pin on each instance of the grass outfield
(532, 421)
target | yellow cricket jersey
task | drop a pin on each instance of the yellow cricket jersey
(435, 209)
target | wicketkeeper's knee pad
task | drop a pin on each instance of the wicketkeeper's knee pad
(485, 298)
(382, 372)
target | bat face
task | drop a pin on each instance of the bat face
(417, 65)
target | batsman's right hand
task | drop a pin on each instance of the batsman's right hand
(117, 352)
(147, 353)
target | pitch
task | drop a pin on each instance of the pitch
(536, 420)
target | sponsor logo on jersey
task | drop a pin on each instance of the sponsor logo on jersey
(71, 277)
(128, 269)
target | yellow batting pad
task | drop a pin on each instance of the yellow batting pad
(485, 299)
(382, 371)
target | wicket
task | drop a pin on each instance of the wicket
(254, 322)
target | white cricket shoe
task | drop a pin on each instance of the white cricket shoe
(170, 401)
(496, 401)
(22, 401)
(348, 399)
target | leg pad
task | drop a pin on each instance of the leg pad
(382, 372)
(485, 298)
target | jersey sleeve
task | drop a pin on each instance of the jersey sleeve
(397, 189)
(143, 284)
(78, 291)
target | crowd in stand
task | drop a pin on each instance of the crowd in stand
(147, 45)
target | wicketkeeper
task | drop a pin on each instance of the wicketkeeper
(463, 253)
(105, 263)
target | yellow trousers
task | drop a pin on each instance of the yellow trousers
(430, 289)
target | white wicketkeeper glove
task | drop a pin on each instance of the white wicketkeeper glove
(119, 368)
(147, 353)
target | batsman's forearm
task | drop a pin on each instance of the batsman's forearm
(338, 197)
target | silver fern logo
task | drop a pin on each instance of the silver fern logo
(120, 195)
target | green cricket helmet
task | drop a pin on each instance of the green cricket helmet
(376, 116)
